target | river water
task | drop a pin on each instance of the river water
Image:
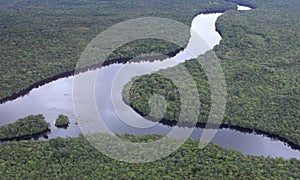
(55, 98)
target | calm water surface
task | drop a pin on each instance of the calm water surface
(56, 98)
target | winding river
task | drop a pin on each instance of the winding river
(55, 98)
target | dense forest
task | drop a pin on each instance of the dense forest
(142, 88)
(23, 127)
(259, 54)
(62, 121)
(75, 158)
(40, 39)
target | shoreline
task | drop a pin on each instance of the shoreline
(172, 123)
(92, 67)
(248, 130)
(27, 137)
(141, 59)
(105, 63)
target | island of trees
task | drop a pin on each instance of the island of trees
(24, 128)
(62, 121)
(259, 53)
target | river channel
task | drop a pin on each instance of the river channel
(55, 98)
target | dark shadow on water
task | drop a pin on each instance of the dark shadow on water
(92, 67)
(35, 136)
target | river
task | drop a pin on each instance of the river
(55, 98)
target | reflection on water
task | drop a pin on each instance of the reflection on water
(56, 98)
(243, 8)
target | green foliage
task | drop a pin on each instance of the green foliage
(75, 158)
(143, 48)
(27, 126)
(259, 54)
(142, 88)
(40, 39)
(62, 120)
(260, 57)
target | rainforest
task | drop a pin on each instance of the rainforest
(258, 49)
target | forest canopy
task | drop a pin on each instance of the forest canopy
(41, 39)
(75, 158)
(62, 121)
(259, 53)
(27, 126)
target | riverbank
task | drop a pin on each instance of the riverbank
(259, 70)
(92, 67)
(68, 94)
(274, 137)
(49, 46)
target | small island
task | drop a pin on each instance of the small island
(62, 121)
(24, 128)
